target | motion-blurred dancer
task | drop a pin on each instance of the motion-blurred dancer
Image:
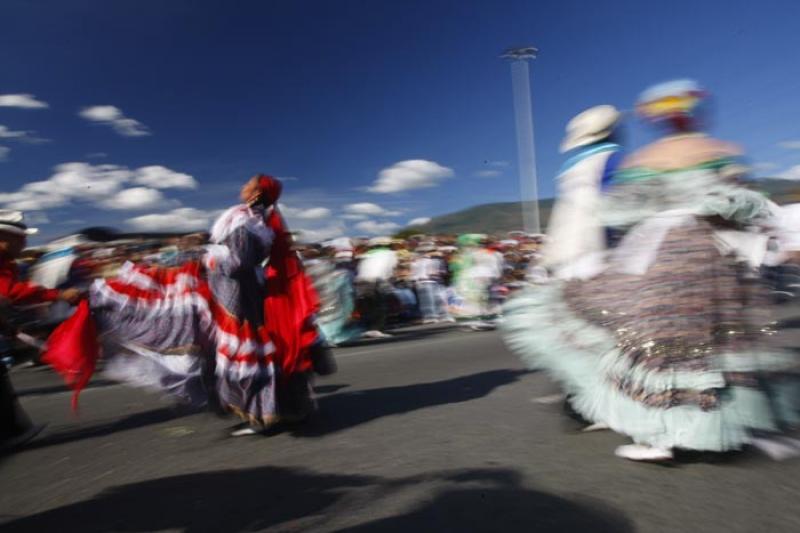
(373, 285)
(218, 331)
(15, 426)
(664, 343)
(575, 232)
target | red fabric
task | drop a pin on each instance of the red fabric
(291, 299)
(270, 189)
(21, 292)
(73, 350)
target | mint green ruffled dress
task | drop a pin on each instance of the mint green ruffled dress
(666, 343)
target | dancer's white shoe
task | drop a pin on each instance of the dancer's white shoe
(641, 452)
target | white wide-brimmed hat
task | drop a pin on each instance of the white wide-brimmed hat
(12, 221)
(590, 126)
(379, 241)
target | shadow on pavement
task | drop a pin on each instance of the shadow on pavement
(502, 509)
(55, 389)
(327, 389)
(296, 499)
(134, 421)
(347, 409)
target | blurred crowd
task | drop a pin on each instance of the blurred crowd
(366, 285)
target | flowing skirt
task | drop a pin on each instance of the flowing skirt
(665, 343)
(164, 328)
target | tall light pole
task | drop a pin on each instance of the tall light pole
(523, 116)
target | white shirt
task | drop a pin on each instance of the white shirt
(377, 265)
(425, 269)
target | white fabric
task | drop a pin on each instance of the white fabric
(238, 216)
(377, 265)
(638, 249)
(217, 255)
(584, 268)
(748, 246)
(574, 229)
(786, 234)
(51, 273)
(486, 264)
(425, 269)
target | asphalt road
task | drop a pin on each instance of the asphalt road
(438, 430)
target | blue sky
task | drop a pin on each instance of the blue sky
(162, 109)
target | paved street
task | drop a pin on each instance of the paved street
(437, 430)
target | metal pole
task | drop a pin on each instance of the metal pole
(526, 154)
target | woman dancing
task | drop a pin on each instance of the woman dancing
(225, 331)
(664, 341)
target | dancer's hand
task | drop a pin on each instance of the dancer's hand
(71, 296)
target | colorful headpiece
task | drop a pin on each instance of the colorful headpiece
(671, 101)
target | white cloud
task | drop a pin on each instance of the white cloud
(6, 133)
(24, 136)
(177, 220)
(134, 198)
(498, 163)
(409, 175)
(24, 101)
(31, 201)
(488, 173)
(368, 208)
(419, 221)
(376, 228)
(352, 216)
(113, 116)
(82, 182)
(792, 173)
(313, 213)
(793, 144)
(4, 151)
(70, 181)
(160, 177)
(319, 234)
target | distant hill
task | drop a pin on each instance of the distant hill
(494, 219)
(781, 191)
(500, 218)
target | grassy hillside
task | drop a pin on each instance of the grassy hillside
(494, 219)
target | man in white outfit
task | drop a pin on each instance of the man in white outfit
(373, 285)
(576, 239)
(574, 233)
(427, 273)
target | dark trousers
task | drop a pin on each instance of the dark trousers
(372, 304)
(13, 420)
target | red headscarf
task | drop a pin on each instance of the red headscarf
(291, 301)
(270, 189)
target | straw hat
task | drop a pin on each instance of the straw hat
(11, 221)
(590, 126)
(379, 241)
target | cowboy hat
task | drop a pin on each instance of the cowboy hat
(11, 221)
